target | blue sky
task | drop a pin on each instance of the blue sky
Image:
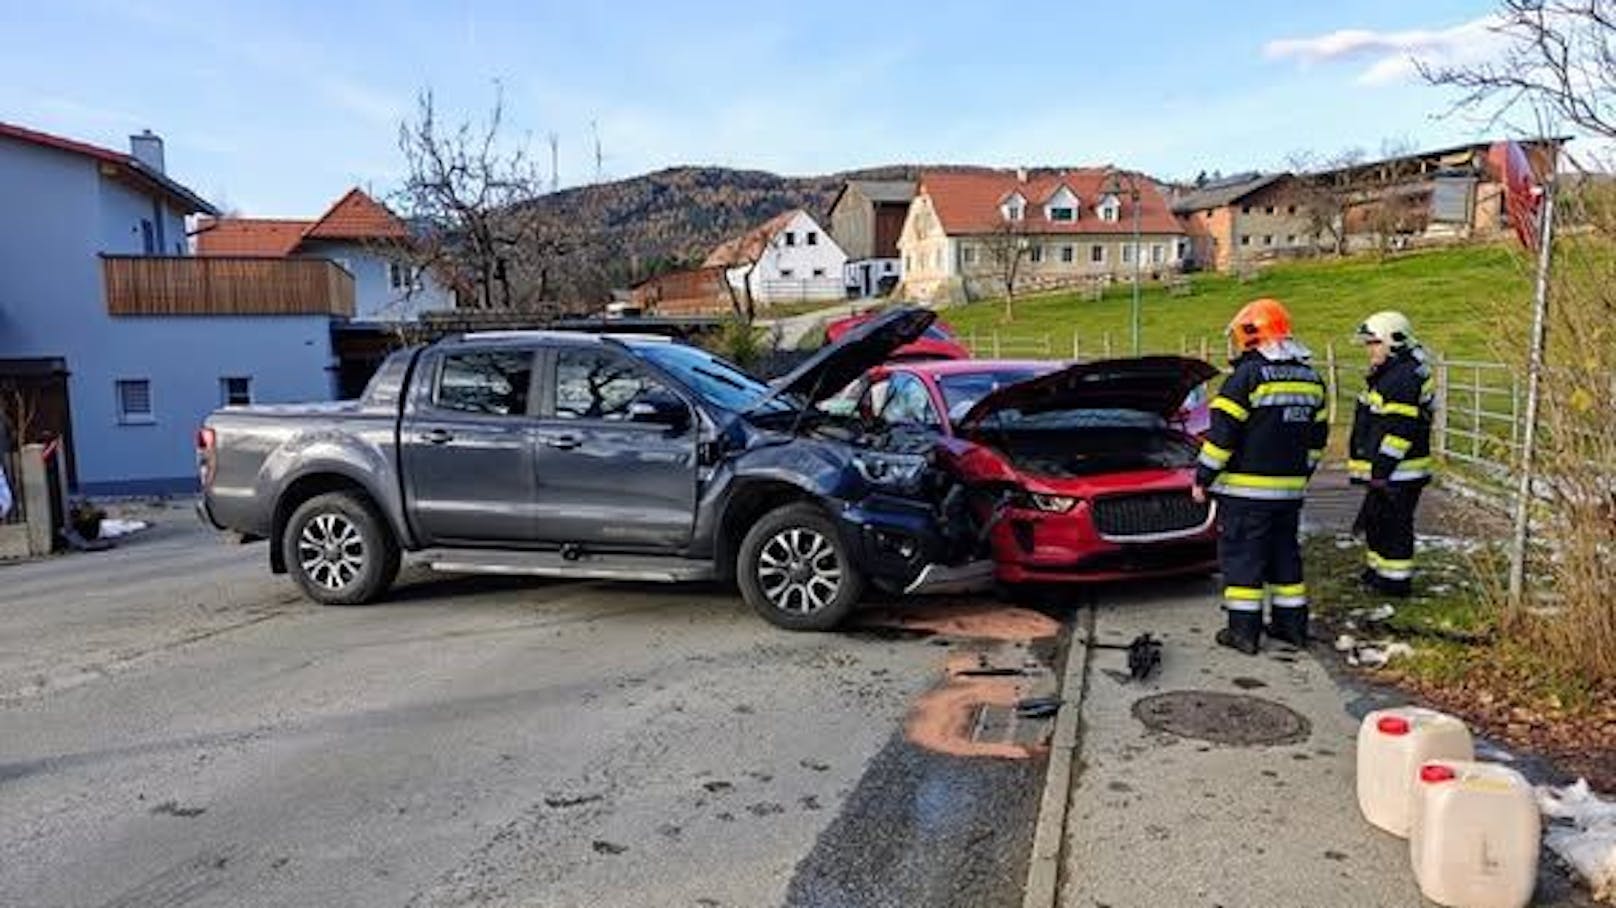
(276, 108)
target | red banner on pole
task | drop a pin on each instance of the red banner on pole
(1523, 193)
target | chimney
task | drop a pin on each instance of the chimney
(147, 148)
(1021, 174)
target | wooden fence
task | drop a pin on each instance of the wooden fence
(219, 285)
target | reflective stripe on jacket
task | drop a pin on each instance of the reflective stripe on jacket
(1268, 430)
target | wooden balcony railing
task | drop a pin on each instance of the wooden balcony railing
(221, 285)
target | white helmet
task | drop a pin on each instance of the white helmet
(1390, 328)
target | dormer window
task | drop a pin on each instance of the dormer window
(1061, 206)
(1014, 208)
(1059, 213)
(1110, 209)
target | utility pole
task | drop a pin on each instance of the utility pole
(1133, 194)
(555, 162)
(594, 130)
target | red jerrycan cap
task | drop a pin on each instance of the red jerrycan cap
(1392, 725)
(1436, 772)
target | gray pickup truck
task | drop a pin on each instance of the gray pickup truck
(596, 456)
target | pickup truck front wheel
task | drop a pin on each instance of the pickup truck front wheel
(339, 550)
(795, 571)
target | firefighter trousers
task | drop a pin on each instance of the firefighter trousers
(1389, 536)
(1260, 554)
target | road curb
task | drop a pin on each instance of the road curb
(1049, 835)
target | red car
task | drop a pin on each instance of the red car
(1082, 473)
(939, 341)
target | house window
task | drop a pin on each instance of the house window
(1245, 209)
(1268, 239)
(148, 237)
(1097, 254)
(968, 255)
(134, 402)
(1245, 239)
(1062, 214)
(786, 273)
(906, 265)
(1181, 250)
(886, 267)
(400, 276)
(1127, 253)
(1036, 255)
(1110, 211)
(1068, 254)
(818, 272)
(1290, 239)
(1158, 254)
(1268, 210)
(1291, 210)
(811, 238)
(791, 237)
(235, 391)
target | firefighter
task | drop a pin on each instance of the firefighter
(1391, 448)
(1268, 431)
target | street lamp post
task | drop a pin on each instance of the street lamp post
(1113, 186)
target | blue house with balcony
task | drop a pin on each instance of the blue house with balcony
(116, 339)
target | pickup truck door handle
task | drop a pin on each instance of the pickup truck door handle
(564, 442)
(437, 437)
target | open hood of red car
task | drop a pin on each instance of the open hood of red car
(1152, 384)
(869, 344)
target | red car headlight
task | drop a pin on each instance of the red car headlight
(1054, 504)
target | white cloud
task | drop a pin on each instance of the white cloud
(1393, 56)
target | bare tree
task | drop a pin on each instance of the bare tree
(1559, 58)
(468, 198)
(1321, 193)
(1007, 247)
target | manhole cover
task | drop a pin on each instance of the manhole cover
(1221, 718)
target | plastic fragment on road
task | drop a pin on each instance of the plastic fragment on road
(1582, 832)
(113, 528)
(1474, 835)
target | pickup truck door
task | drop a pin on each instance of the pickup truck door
(615, 458)
(467, 446)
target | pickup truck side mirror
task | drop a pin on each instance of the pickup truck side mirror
(660, 409)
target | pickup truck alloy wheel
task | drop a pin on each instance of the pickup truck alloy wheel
(331, 551)
(340, 550)
(795, 570)
(799, 571)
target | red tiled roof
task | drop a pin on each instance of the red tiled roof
(249, 236)
(749, 246)
(126, 164)
(968, 201)
(357, 216)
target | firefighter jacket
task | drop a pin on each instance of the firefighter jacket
(1391, 429)
(1269, 425)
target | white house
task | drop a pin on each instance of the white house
(356, 232)
(787, 259)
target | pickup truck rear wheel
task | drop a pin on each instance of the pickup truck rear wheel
(339, 550)
(795, 570)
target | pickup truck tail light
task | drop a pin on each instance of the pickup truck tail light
(206, 455)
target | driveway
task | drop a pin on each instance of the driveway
(181, 728)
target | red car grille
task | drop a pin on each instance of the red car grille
(1148, 514)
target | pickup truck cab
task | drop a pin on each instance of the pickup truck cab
(595, 456)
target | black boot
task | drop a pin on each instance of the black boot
(1244, 632)
(1289, 626)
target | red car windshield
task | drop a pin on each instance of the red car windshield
(961, 390)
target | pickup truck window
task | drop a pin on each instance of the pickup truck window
(596, 384)
(490, 382)
(715, 380)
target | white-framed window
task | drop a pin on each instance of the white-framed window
(1290, 239)
(1097, 254)
(1036, 254)
(1245, 239)
(401, 276)
(1127, 253)
(235, 391)
(786, 273)
(968, 255)
(135, 402)
(1181, 250)
(1068, 254)
(1062, 213)
(1158, 253)
(886, 267)
(1268, 210)
(791, 237)
(1110, 210)
(1014, 208)
(819, 272)
(811, 238)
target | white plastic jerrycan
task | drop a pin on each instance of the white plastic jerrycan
(1474, 835)
(1392, 746)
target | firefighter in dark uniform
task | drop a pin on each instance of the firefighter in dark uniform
(1268, 431)
(1391, 448)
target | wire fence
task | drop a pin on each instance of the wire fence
(1478, 423)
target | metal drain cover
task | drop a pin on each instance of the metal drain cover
(1222, 718)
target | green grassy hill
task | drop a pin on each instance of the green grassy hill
(1452, 295)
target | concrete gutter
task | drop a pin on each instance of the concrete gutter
(1049, 835)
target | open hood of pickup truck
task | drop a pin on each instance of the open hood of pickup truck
(1151, 384)
(837, 364)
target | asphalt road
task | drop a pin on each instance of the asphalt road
(177, 727)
